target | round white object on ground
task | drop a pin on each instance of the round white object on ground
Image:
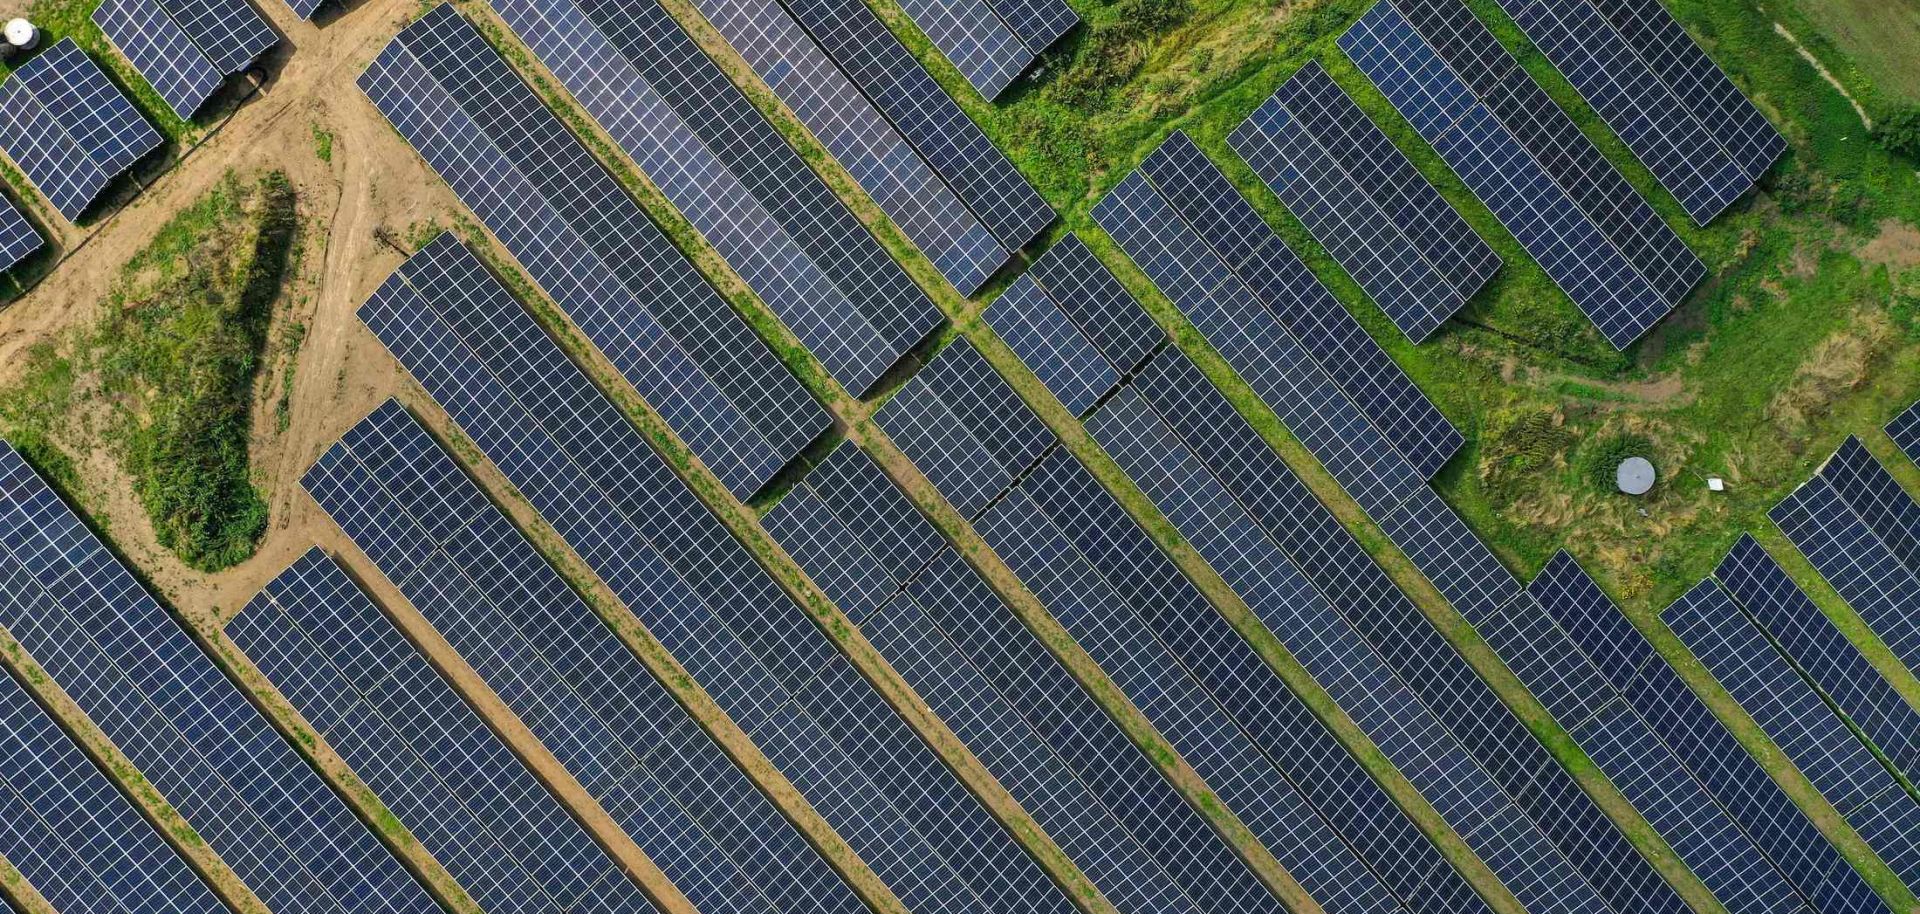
(21, 33)
(1635, 476)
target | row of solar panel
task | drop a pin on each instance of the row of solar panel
(189, 730)
(1905, 432)
(186, 48)
(703, 144)
(1521, 155)
(1233, 475)
(68, 128)
(698, 589)
(992, 42)
(1012, 702)
(592, 249)
(18, 238)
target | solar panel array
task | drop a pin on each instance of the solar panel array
(185, 48)
(1179, 262)
(1516, 150)
(1701, 87)
(68, 128)
(1365, 202)
(1087, 292)
(1687, 159)
(703, 144)
(1905, 432)
(1030, 324)
(591, 474)
(1329, 558)
(1015, 705)
(428, 755)
(869, 55)
(854, 132)
(1858, 527)
(975, 40)
(1451, 555)
(65, 828)
(1623, 742)
(577, 233)
(1217, 213)
(18, 237)
(189, 730)
(1822, 653)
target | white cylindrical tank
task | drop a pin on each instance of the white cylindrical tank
(21, 34)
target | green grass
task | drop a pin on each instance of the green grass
(163, 377)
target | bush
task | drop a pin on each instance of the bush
(1898, 131)
(1599, 460)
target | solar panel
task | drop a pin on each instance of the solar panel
(1582, 610)
(432, 759)
(1891, 826)
(877, 512)
(1813, 738)
(1548, 662)
(1811, 641)
(305, 8)
(1203, 196)
(1201, 286)
(1638, 762)
(589, 246)
(189, 731)
(1451, 555)
(1701, 87)
(74, 838)
(830, 553)
(699, 590)
(703, 144)
(231, 33)
(1039, 23)
(1644, 112)
(18, 237)
(921, 111)
(1856, 561)
(1750, 796)
(161, 50)
(1355, 677)
(975, 40)
(872, 151)
(1877, 498)
(1905, 432)
(1087, 292)
(1246, 779)
(921, 422)
(1521, 156)
(1066, 362)
(1375, 249)
(1397, 629)
(68, 128)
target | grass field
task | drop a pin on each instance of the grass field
(1804, 332)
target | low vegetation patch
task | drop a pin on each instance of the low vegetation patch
(164, 378)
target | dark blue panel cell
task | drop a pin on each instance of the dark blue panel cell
(18, 237)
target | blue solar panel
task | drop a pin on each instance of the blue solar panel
(1260, 349)
(189, 730)
(1370, 602)
(872, 151)
(1825, 655)
(68, 128)
(959, 152)
(1514, 148)
(305, 8)
(231, 33)
(1891, 826)
(923, 424)
(830, 553)
(1247, 780)
(161, 50)
(1905, 432)
(1877, 499)
(1534, 646)
(1856, 561)
(987, 405)
(1088, 293)
(697, 589)
(1584, 612)
(1039, 23)
(877, 511)
(975, 40)
(1701, 87)
(18, 237)
(1638, 762)
(1811, 735)
(65, 828)
(1027, 320)
(1216, 211)
(704, 145)
(578, 234)
(455, 785)
(1451, 555)
(1771, 819)
(1643, 111)
(1337, 208)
